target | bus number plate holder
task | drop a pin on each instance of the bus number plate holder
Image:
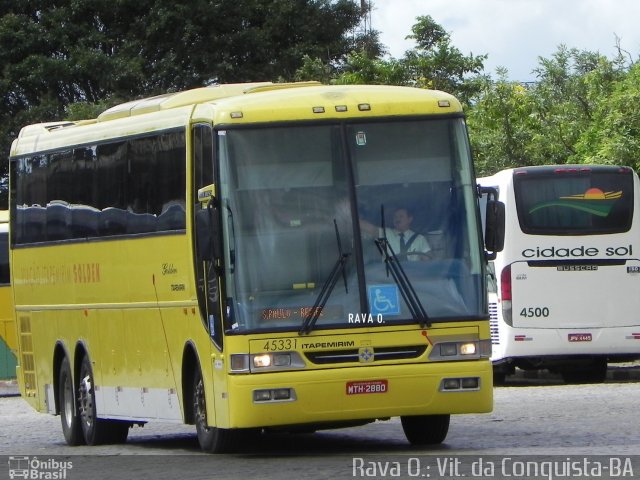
(580, 337)
(367, 386)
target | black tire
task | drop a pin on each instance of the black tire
(499, 378)
(96, 431)
(211, 439)
(69, 416)
(593, 372)
(426, 429)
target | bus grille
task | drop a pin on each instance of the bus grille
(353, 355)
(493, 323)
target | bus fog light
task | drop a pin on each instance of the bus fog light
(263, 360)
(470, 383)
(448, 349)
(261, 395)
(281, 394)
(468, 348)
(451, 384)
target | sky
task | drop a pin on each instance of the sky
(515, 33)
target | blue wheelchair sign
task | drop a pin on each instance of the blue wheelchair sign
(384, 299)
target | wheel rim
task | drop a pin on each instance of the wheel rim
(67, 392)
(86, 401)
(200, 409)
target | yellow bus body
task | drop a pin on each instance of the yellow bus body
(8, 336)
(130, 302)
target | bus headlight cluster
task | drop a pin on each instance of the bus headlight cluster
(461, 350)
(261, 362)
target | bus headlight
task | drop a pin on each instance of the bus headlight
(468, 348)
(461, 350)
(264, 362)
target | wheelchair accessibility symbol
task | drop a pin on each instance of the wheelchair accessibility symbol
(384, 300)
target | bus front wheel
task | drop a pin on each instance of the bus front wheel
(211, 439)
(425, 429)
(96, 431)
(69, 416)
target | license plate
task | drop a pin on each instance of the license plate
(367, 386)
(580, 337)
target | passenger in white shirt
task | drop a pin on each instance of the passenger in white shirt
(405, 243)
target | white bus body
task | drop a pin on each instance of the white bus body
(566, 290)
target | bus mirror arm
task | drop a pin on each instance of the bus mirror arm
(494, 228)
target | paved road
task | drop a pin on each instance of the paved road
(531, 417)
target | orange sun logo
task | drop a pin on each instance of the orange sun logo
(594, 194)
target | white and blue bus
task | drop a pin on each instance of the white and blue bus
(566, 286)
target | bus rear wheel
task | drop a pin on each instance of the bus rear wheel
(591, 372)
(425, 429)
(96, 431)
(211, 439)
(69, 416)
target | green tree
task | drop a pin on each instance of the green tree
(556, 120)
(56, 53)
(435, 63)
(614, 135)
(501, 125)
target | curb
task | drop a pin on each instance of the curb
(9, 388)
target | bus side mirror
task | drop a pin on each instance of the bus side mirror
(207, 226)
(204, 236)
(494, 228)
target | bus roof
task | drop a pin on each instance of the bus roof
(235, 104)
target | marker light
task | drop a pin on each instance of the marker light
(236, 115)
(318, 109)
(444, 103)
(239, 362)
(341, 108)
(505, 294)
(364, 107)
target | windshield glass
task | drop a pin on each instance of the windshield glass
(302, 208)
(575, 204)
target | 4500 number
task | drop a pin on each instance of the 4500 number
(534, 312)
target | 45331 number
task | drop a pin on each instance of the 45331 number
(534, 312)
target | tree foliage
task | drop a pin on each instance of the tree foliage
(74, 58)
(558, 119)
(433, 63)
(56, 53)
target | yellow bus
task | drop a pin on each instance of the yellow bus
(8, 339)
(201, 257)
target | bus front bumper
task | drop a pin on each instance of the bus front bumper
(358, 393)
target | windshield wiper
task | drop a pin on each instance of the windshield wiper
(400, 277)
(311, 319)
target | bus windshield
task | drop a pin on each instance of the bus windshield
(304, 210)
(582, 203)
